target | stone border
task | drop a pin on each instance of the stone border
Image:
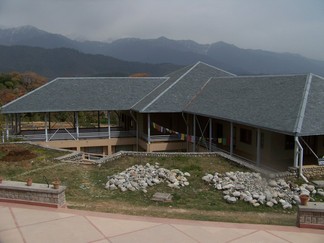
(311, 216)
(192, 154)
(36, 194)
(77, 157)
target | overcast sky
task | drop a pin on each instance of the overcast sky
(295, 26)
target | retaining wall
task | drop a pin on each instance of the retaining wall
(311, 215)
(36, 194)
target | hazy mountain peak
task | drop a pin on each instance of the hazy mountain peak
(164, 50)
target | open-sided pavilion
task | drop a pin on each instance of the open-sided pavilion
(272, 121)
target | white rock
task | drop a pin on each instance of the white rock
(274, 201)
(186, 174)
(231, 199)
(283, 202)
(321, 193)
(304, 192)
(310, 187)
(236, 194)
(207, 178)
(171, 185)
(112, 187)
(287, 206)
(255, 195)
(297, 199)
(272, 183)
(219, 187)
(239, 187)
(270, 204)
(123, 189)
(156, 181)
(226, 192)
(248, 199)
(228, 186)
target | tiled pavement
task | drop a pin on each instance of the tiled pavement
(22, 223)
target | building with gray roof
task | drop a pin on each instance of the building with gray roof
(272, 121)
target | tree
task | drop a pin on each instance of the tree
(14, 85)
(2, 126)
(135, 75)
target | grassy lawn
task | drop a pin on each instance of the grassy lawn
(199, 201)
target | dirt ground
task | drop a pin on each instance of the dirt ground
(15, 153)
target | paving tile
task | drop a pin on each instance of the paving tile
(73, 229)
(6, 219)
(158, 234)
(113, 227)
(30, 216)
(47, 225)
(101, 241)
(260, 237)
(10, 236)
(300, 237)
(212, 234)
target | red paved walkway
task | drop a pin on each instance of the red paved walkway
(22, 223)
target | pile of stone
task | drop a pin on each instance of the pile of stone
(139, 177)
(256, 190)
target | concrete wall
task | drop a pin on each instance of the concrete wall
(79, 145)
(273, 152)
(37, 194)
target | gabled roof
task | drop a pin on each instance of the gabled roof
(179, 89)
(84, 94)
(313, 118)
(291, 104)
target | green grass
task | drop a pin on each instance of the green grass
(86, 189)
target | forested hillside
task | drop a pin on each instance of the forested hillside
(14, 85)
(64, 62)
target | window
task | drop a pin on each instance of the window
(246, 136)
(289, 142)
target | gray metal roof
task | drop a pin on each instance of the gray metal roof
(291, 104)
(84, 94)
(174, 95)
(313, 119)
(271, 102)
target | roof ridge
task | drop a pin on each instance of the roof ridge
(317, 76)
(164, 91)
(301, 113)
(197, 94)
(27, 94)
(112, 78)
(166, 79)
(219, 69)
(264, 76)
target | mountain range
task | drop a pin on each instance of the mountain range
(151, 53)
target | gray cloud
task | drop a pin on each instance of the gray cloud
(279, 25)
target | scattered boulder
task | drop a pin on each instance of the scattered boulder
(139, 177)
(253, 188)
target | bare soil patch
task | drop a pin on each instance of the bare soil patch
(15, 153)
